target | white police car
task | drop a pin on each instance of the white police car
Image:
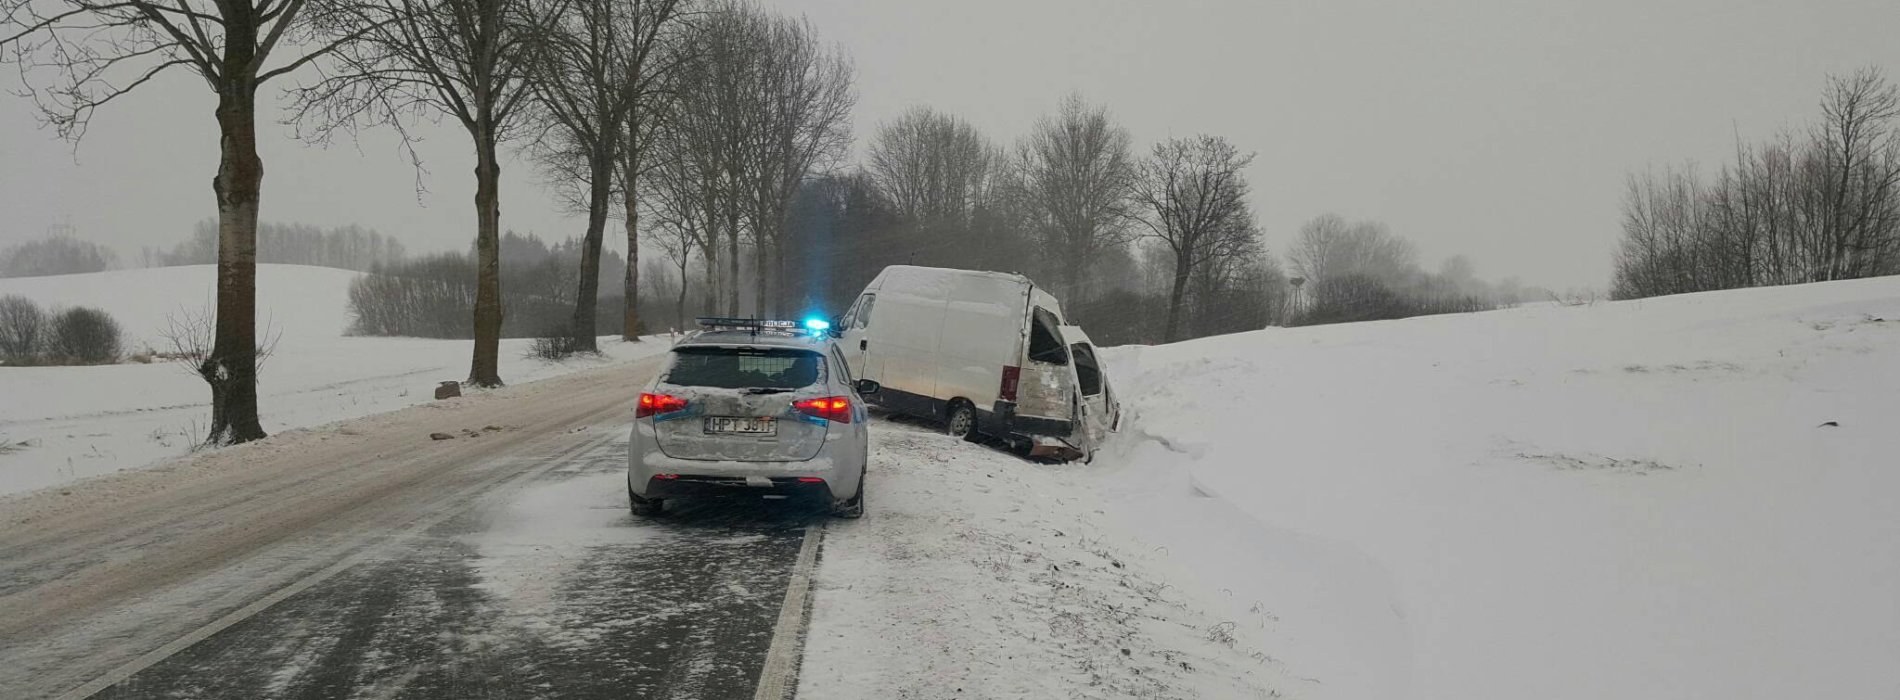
(751, 408)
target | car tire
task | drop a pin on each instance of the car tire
(853, 507)
(962, 421)
(645, 507)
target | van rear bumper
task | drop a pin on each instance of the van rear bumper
(1004, 421)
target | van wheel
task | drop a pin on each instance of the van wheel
(962, 420)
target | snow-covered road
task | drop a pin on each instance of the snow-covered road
(366, 560)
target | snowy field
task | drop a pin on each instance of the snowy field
(1684, 497)
(65, 423)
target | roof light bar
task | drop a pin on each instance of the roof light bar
(810, 326)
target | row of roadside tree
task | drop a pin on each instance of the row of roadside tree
(1807, 206)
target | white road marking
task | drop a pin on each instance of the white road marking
(466, 497)
(788, 636)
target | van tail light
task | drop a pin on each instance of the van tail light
(656, 404)
(1011, 375)
(836, 408)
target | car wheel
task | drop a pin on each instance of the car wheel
(962, 420)
(852, 508)
(645, 507)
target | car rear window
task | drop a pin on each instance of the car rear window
(744, 368)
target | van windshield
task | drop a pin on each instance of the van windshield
(744, 368)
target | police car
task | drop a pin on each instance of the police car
(753, 408)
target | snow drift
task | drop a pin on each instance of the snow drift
(1684, 497)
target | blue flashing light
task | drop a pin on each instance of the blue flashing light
(817, 325)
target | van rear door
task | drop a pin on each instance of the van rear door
(1045, 390)
(1098, 402)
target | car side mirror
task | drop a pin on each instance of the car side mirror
(867, 387)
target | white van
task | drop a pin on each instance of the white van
(984, 352)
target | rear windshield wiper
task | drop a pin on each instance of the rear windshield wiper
(767, 390)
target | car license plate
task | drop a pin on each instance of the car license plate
(736, 425)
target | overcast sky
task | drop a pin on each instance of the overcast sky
(1502, 130)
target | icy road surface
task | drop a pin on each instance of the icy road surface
(371, 561)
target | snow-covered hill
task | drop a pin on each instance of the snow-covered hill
(64, 423)
(1685, 497)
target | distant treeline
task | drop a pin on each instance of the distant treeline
(1141, 245)
(433, 296)
(1823, 205)
(349, 247)
(55, 255)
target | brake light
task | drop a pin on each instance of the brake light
(1011, 375)
(836, 408)
(656, 404)
(810, 480)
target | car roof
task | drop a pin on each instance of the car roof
(767, 339)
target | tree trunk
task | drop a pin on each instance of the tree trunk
(732, 263)
(1175, 297)
(759, 282)
(600, 172)
(713, 284)
(231, 369)
(778, 284)
(630, 320)
(485, 370)
(679, 307)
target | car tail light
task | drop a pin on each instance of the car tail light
(656, 404)
(836, 408)
(1011, 375)
(810, 480)
(666, 477)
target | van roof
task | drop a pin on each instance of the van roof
(921, 274)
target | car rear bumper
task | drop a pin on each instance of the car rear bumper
(703, 486)
(652, 474)
(1004, 421)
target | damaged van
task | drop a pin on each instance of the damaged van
(986, 353)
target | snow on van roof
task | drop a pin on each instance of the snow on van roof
(915, 276)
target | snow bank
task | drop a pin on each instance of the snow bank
(975, 574)
(1686, 497)
(64, 423)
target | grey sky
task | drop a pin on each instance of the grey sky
(1502, 130)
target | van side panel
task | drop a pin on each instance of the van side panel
(982, 333)
(902, 340)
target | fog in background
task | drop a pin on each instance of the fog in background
(1500, 130)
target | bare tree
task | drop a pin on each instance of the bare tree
(652, 81)
(1329, 246)
(803, 109)
(100, 50)
(762, 104)
(933, 167)
(1818, 208)
(466, 59)
(22, 329)
(595, 64)
(683, 176)
(1859, 142)
(1076, 168)
(1192, 196)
